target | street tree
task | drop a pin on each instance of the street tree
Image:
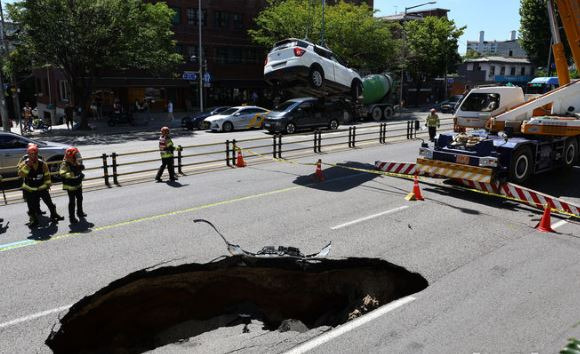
(535, 31)
(351, 31)
(431, 48)
(85, 38)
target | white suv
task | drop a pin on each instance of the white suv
(294, 62)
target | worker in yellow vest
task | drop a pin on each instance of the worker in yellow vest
(166, 149)
(432, 122)
(72, 181)
(36, 184)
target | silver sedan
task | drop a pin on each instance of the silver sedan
(13, 148)
(240, 117)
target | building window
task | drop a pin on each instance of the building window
(523, 71)
(192, 16)
(513, 71)
(492, 71)
(222, 19)
(179, 49)
(222, 55)
(237, 21)
(235, 55)
(249, 56)
(511, 53)
(63, 90)
(502, 70)
(177, 16)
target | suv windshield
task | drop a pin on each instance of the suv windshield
(283, 107)
(481, 102)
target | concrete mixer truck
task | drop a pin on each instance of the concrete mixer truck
(377, 97)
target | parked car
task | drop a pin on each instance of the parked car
(236, 118)
(295, 63)
(449, 105)
(303, 113)
(13, 148)
(195, 121)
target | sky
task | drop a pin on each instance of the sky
(496, 17)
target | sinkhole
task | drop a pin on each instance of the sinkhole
(151, 308)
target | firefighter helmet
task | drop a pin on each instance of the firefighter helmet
(32, 149)
(71, 152)
(165, 130)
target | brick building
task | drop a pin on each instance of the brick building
(234, 63)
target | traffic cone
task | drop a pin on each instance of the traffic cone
(240, 160)
(416, 193)
(319, 174)
(545, 224)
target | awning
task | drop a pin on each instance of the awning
(545, 80)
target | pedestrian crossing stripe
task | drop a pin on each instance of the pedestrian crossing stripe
(453, 170)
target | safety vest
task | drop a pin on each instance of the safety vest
(72, 178)
(432, 120)
(36, 178)
(166, 147)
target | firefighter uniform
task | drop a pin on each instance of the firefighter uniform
(35, 186)
(166, 149)
(432, 122)
(72, 179)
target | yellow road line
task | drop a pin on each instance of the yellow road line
(15, 245)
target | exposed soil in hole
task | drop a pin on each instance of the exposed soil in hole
(152, 308)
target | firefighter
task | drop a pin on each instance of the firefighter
(72, 180)
(432, 122)
(166, 149)
(35, 186)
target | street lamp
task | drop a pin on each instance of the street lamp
(404, 48)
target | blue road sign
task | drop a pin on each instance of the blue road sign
(189, 75)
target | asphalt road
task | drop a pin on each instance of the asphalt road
(495, 284)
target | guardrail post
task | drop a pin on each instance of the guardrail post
(382, 133)
(417, 127)
(353, 137)
(349, 137)
(179, 157)
(408, 129)
(234, 151)
(274, 146)
(3, 193)
(105, 170)
(228, 152)
(279, 146)
(315, 141)
(114, 161)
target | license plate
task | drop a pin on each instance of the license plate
(463, 159)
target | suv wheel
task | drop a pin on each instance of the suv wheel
(290, 128)
(333, 124)
(316, 77)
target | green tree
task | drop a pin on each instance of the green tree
(86, 37)
(472, 54)
(351, 31)
(431, 48)
(535, 31)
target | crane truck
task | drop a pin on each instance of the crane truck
(509, 136)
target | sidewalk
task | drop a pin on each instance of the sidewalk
(143, 123)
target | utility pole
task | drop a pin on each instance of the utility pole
(15, 93)
(200, 57)
(3, 110)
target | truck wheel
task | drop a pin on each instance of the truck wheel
(388, 112)
(377, 113)
(521, 165)
(570, 152)
(316, 77)
(290, 128)
(333, 124)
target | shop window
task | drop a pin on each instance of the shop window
(222, 19)
(523, 71)
(176, 20)
(502, 70)
(192, 16)
(237, 21)
(491, 71)
(513, 71)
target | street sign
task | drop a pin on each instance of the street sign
(189, 75)
(207, 78)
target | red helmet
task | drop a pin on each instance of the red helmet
(32, 149)
(165, 130)
(71, 152)
(433, 110)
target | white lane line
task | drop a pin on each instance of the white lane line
(559, 223)
(369, 217)
(33, 316)
(349, 326)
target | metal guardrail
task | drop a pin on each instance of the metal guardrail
(113, 167)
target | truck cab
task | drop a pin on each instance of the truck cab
(485, 102)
